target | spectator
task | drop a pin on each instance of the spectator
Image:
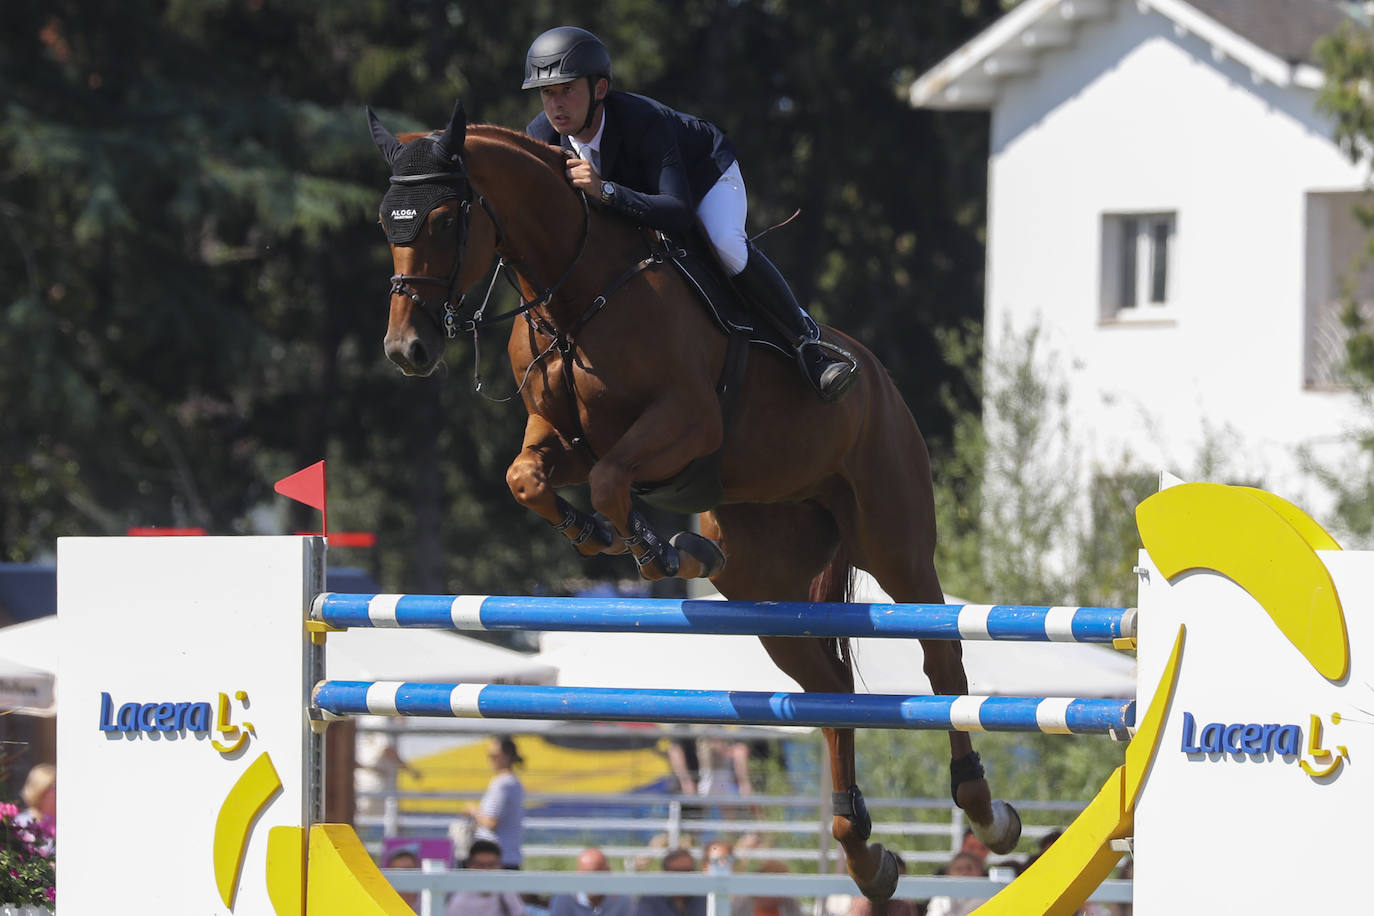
(675, 860)
(749, 841)
(682, 759)
(720, 857)
(484, 854)
(963, 865)
(767, 906)
(724, 771)
(724, 767)
(584, 904)
(39, 796)
(659, 843)
(975, 847)
(500, 817)
(405, 857)
(378, 764)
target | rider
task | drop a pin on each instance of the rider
(666, 169)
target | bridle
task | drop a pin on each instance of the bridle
(447, 317)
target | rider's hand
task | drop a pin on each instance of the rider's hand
(582, 176)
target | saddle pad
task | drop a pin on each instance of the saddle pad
(721, 301)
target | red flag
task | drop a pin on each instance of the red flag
(307, 486)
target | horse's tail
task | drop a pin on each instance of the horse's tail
(836, 583)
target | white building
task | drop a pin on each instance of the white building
(1168, 205)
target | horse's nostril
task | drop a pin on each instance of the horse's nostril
(416, 353)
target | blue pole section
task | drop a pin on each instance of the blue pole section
(768, 618)
(827, 710)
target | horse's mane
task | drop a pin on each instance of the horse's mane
(541, 155)
(549, 155)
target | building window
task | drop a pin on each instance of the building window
(1138, 254)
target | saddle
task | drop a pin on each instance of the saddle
(702, 270)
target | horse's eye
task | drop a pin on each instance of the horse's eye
(444, 222)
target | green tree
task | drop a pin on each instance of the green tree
(195, 287)
(1347, 60)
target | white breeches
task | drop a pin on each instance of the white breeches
(722, 213)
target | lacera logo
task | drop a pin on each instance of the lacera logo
(404, 214)
(1267, 738)
(169, 716)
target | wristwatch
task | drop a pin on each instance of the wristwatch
(607, 192)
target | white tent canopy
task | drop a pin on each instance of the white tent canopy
(25, 690)
(690, 662)
(28, 664)
(703, 662)
(33, 643)
(366, 654)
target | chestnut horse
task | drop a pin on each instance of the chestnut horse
(618, 368)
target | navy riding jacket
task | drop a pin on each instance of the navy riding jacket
(661, 161)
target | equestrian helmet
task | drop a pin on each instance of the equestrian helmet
(562, 55)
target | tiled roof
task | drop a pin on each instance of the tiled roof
(1286, 28)
(1275, 39)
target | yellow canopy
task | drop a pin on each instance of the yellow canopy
(548, 767)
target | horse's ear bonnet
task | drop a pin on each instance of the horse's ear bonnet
(425, 172)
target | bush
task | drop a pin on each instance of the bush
(27, 861)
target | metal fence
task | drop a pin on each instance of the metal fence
(434, 884)
(638, 828)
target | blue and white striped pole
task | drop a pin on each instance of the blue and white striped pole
(766, 618)
(1050, 715)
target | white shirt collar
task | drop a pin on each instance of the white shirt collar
(594, 143)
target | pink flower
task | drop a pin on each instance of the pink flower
(8, 809)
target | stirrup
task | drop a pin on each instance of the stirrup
(840, 371)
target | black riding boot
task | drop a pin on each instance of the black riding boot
(829, 369)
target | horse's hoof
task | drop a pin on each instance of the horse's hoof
(1005, 830)
(704, 550)
(883, 884)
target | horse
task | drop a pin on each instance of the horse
(618, 368)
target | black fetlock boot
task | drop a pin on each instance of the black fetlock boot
(829, 369)
(850, 805)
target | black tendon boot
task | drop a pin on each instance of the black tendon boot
(829, 369)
